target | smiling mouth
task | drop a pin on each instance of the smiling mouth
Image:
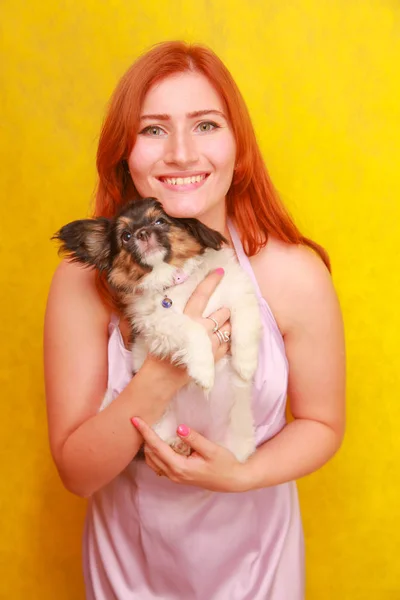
(184, 180)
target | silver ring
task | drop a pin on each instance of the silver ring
(220, 336)
(226, 336)
(215, 323)
(223, 336)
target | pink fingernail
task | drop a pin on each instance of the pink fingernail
(135, 422)
(220, 271)
(183, 430)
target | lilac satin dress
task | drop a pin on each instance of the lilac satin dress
(147, 537)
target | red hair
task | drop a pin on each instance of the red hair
(252, 202)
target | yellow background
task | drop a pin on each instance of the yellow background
(322, 81)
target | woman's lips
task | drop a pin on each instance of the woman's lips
(183, 183)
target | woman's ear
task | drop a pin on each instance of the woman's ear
(207, 237)
(86, 241)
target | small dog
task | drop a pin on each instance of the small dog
(154, 262)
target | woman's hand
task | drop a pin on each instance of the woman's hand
(196, 305)
(210, 466)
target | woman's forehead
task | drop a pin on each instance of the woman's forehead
(181, 93)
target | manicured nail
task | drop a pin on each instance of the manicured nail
(220, 271)
(135, 422)
(183, 430)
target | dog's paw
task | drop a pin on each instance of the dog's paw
(245, 367)
(200, 364)
(203, 374)
(180, 447)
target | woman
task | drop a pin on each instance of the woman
(175, 115)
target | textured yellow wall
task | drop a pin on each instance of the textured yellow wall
(322, 81)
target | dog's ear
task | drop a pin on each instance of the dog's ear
(86, 241)
(207, 237)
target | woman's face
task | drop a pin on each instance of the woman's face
(185, 150)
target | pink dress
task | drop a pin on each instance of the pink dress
(147, 537)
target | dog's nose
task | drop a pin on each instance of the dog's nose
(143, 234)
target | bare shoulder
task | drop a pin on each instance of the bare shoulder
(74, 285)
(71, 273)
(295, 283)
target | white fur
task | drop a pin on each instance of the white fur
(167, 332)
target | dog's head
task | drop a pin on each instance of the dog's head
(139, 237)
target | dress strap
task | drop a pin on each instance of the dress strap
(114, 322)
(242, 256)
(246, 265)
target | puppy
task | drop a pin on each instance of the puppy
(153, 262)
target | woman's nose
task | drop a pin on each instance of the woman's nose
(181, 150)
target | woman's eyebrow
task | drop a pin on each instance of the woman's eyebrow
(191, 115)
(202, 113)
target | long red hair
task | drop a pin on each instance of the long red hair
(252, 202)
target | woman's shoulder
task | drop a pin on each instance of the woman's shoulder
(74, 272)
(73, 288)
(293, 279)
(297, 260)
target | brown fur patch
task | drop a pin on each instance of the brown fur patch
(124, 275)
(153, 213)
(124, 223)
(95, 241)
(183, 246)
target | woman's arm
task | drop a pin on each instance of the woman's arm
(91, 447)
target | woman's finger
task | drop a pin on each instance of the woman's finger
(152, 461)
(220, 348)
(221, 316)
(198, 301)
(200, 444)
(159, 448)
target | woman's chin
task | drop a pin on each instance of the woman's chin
(212, 214)
(182, 211)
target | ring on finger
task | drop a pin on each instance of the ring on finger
(226, 335)
(223, 336)
(216, 325)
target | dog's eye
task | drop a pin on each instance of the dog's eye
(126, 236)
(160, 221)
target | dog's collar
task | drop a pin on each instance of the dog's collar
(179, 276)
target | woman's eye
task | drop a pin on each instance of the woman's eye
(160, 221)
(207, 126)
(152, 130)
(126, 236)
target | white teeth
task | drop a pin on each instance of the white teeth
(184, 180)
